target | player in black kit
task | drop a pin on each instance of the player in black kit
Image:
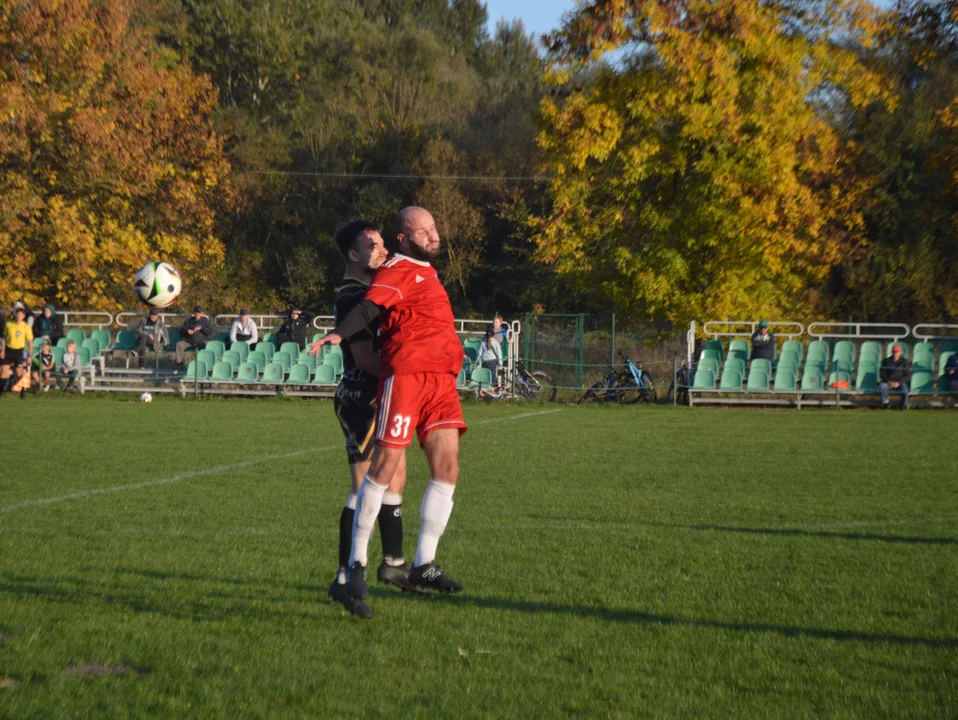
(361, 244)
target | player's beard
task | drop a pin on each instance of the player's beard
(421, 253)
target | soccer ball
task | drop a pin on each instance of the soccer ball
(158, 284)
(146, 397)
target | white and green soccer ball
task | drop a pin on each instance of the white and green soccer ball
(158, 284)
(146, 397)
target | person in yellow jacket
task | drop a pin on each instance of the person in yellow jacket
(15, 345)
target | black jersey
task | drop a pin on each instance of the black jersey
(350, 294)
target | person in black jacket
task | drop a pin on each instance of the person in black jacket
(763, 343)
(951, 372)
(48, 325)
(296, 326)
(196, 332)
(895, 375)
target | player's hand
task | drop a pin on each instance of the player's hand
(331, 339)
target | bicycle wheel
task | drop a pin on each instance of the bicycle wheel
(627, 392)
(648, 392)
(598, 390)
(548, 385)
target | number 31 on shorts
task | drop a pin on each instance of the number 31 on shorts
(400, 426)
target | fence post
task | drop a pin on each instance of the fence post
(579, 349)
(675, 383)
(613, 340)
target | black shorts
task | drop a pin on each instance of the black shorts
(12, 357)
(356, 410)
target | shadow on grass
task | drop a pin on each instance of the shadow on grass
(638, 617)
(210, 605)
(909, 540)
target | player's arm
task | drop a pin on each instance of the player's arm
(358, 319)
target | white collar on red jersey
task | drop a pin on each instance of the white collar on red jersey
(424, 263)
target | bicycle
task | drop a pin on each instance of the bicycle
(629, 385)
(528, 386)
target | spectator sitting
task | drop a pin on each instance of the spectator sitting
(27, 313)
(244, 329)
(48, 325)
(70, 365)
(196, 332)
(15, 346)
(895, 375)
(951, 372)
(295, 327)
(490, 353)
(763, 343)
(150, 333)
(44, 366)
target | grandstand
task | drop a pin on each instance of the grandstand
(825, 363)
(105, 347)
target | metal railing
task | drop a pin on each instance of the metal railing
(854, 331)
(919, 331)
(752, 325)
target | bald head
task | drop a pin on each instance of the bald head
(416, 233)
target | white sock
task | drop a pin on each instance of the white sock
(368, 501)
(434, 514)
(351, 501)
(391, 498)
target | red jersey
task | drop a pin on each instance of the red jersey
(418, 330)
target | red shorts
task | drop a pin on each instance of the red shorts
(421, 401)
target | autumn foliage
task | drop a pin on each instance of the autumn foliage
(109, 157)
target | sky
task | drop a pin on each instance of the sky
(538, 16)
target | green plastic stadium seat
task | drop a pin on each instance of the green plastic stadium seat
(949, 347)
(334, 361)
(704, 380)
(247, 373)
(273, 374)
(258, 359)
(77, 336)
(242, 348)
(739, 346)
(738, 354)
(790, 358)
(785, 379)
(222, 371)
(62, 342)
(93, 346)
(298, 375)
(206, 356)
(293, 349)
(271, 337)
(904, 348)
(763, 365)
(461, 379)
(102, 337)
(711, 353)
(943, 360)
(714, 344)
(870, 347)
(813, 379)
(174, 338)
(84, 357)
(734, 362)
(37, 344)
(222, 336)
(757, 379)
(922, 383)
(923, 362)
(333, 350)
(217, 347)
(472, 354)
(840, 376)
(196, 369)
(731, 380)
(284, 359)
(267, 348)
(818, 352)
(318, 336)
(308, 360)
(867, 378)
(233, 358)
(472, 342)
(794, 346)
(58, 356)
(844, 350)
(325, 374)
(481, 377)
(709, 364)
(125, 341)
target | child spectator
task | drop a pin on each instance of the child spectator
(490, 352)
(44, 367)
(70, 367)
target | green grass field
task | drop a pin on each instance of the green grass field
(172, 559)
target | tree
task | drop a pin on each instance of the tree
(696, 174)
(109, 158)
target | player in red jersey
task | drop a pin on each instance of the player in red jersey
(420, 357)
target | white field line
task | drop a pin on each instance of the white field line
(188, 475)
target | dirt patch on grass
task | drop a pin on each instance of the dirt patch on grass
(95, 671)
(9, 682)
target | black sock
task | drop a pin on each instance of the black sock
(345, 536)
(390, 528)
